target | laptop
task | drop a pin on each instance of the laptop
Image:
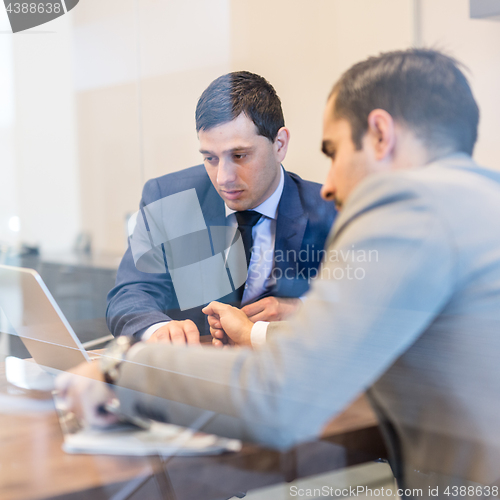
(28, 310)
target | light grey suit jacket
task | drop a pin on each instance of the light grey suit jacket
(407, 304)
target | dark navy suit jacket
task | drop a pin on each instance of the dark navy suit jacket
(140, 299)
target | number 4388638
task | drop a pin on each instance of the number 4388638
(34, 8)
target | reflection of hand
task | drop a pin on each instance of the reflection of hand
(271, 309)
(85, 393)
(177, 332)
(228, 325)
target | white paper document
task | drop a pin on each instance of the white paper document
(126, 439)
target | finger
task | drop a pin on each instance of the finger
(252, 309)
(84, 397)
(161, 335)
(217, 343)
(95, 417)
(214, 322)
(191, 332)
(96, 395)
(262, 316)
(107, 420)
(153, 339)
(63, 383)
(217, 333)
(73, 405)
(216, 308)
(177, 336)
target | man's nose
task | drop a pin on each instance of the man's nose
(328, 190)
(226, 173)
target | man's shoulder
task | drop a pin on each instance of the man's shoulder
(309, 191)
(189, 178)
(440, 187)
(394, 189)
(311, 200)
(304, 185)
(444, 182)
(196, 175)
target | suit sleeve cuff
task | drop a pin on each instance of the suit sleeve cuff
(149, 331)
(258, 334)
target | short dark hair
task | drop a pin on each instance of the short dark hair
(241, 92)
(422, 88)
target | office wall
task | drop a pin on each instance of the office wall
(46, 143)
(38, 138)
(8, 196)
(142, 69)
(135, 69)
(303, 47)
(475, 42)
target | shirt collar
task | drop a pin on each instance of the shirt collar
(269, 207)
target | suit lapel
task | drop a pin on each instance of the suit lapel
(291, 224)
(212, 206)
(290, 228)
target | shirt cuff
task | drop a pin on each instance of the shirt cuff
(258, 334)
(149, 331)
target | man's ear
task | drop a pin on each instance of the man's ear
(381, 133)
(281, 143)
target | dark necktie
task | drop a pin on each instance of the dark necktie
(246, 221)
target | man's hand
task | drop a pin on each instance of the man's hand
(271, 309)
(177, 332)
(85, 393)
(228, 325)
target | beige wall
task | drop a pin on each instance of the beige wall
(8, 196)
(142, 67)
(138, 67)
(44, 147)
(303, 47)
(140, 73)
(475, 42)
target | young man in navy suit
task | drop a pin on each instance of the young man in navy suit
(282, 220)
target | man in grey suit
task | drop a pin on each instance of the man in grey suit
(406, 307)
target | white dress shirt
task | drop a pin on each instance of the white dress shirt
(262, 259)
(264, 236)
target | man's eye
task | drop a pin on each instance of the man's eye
(240, 156)
(210, 159)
